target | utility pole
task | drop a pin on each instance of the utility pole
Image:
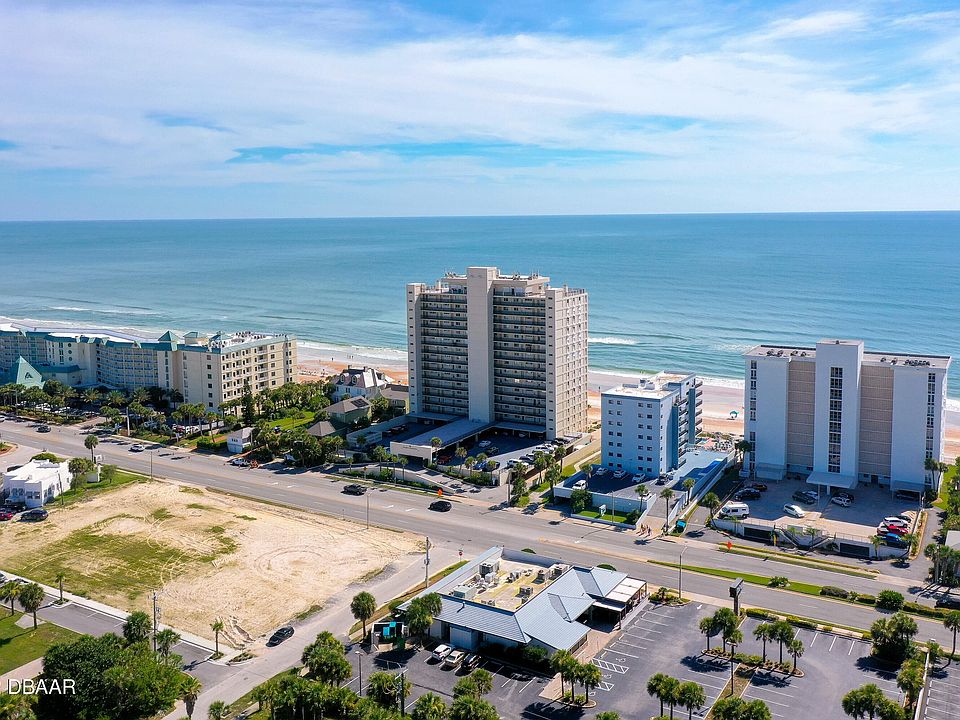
(151, 463)
(426, 566)
(156, 614)
(368, 510)
(403, 700)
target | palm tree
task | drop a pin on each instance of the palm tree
(708, 628)
(742, 447)
(403, 462)
(90, 442)
(692, 697)
(560, 664)
(218, 710)
(590, 677)
(656, 687)
(951, 622)
(864, 701)
(217, 627)
(783, 634)
(876, 542)
(795, 648)
(165, 640)
(363, 606)
(468, 463)
(540, 462)
(671, 692)
(711, 502)
(60, 578)
(936, 468)
(189, 692)
(688, 486)
(666, 494)
(435, 442)
(137, 627)
(8, 592)
(460, 453)
(764, 632)
(31, 598)
(429, 707)
(910, 680)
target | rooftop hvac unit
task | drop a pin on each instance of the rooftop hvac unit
(526, 591)
(488, 568)
(464, 592)
(541, 575)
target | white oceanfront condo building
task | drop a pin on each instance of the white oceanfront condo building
(504, 349)
(647, 427)
(840, 416)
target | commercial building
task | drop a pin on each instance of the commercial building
(514, 599)
(838, 415)
(208, 370)
(648, 426)
(36, 482)
(499, 349)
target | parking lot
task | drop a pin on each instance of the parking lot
(832, 667)
(943, 692)
(514, 692)
(871, 504)
(657, 638)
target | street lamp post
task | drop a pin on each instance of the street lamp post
(368, 511)
(151, 463)
(680, 574)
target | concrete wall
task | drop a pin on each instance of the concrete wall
(770, 447)
(847, 355)
(480, 341)
(908, 449)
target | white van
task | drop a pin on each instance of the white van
(735, 510)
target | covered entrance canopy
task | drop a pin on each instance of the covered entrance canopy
(847, 482)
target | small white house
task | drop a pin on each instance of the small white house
(36, 483)
(240, 440)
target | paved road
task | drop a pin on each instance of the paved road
(475, 527)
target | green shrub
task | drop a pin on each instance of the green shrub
(890, 600)
(760, 614)
(778, 581)
(535, 655)
(834, 591)
(925, 610)
(579, 501)
(606, 566)
(801, 622)
(529, 550)
(866, 599)
(633, 517)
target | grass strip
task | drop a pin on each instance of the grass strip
(764, 580)
(18, 645)
(788, 560)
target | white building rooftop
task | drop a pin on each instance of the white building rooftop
(883, 358)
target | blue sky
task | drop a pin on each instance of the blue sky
(279, 108)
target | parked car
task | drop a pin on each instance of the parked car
(735, 510)
(580, 484)
(600, 471)
(485, 443)
(619, 474)
(284, 633)
(844, 494)
(805, 496)
(948, 602)
(757, 486)
(470, 662)
(747, 494)
(441, 506)
(6, 515)
(894, 540)
(137, 447)
(841, 501)
(907, 495)
(440, 652)
(794, 511)
(895, 520)
(43, 429)
(453, 659)
(354, 489)
(240, 462)
(898, 529)
(35, 515)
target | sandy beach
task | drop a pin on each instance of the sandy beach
(720, 396)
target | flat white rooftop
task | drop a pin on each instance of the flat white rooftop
(800, 352)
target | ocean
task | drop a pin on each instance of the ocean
(687, 292)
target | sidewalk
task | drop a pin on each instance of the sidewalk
(30, 670)
(407, 574)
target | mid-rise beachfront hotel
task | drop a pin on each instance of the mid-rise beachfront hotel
(840, 416)
(499, 349)
(205, 369)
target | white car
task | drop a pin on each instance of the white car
(440, 652)
(240, 462)
(485, 443)
(895, 520)
(841, 501)
(137, 448)
(580, 484)
(794, 511)
(600, 471)
(619, 474)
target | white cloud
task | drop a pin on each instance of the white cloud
(817, 24)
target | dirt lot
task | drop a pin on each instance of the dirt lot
(213, 555)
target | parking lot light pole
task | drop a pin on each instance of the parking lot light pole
(359, 674)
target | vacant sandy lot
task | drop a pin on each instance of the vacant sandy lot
(211, 555)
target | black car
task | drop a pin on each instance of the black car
(354, 489)
(34, 515)
(758, 486)
(43, 429)
(805, 496)
(747, 494)
(950, 603)
(284, 633)
(441, 506)
(844, 494)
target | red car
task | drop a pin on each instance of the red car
(895, 529)
(6, 515)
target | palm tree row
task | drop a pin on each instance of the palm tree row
(672, 693)
(573, 671)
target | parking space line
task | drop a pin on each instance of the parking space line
(815, 636)
(612, 667)
(624, 642)
(832, 644)
(621, 652)
(525, 686)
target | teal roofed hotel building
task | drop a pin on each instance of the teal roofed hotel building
(211, 370)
